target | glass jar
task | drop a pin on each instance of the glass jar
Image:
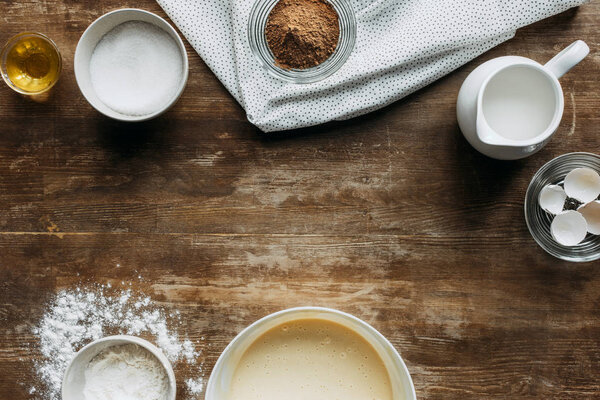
(259, 46)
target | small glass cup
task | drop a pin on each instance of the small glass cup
(538, 220)
(259, 46)
(37, 85)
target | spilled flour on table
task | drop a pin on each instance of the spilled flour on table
(195, 386)
(74, 318)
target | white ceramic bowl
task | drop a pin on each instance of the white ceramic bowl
(74, 379)
(91, 37)
(220, 378)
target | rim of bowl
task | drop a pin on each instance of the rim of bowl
(218, 365)
(9, 45)
(163, 25)
(259, 15)
(129, 340)
(528, 195)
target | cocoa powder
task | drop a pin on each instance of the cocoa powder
(302, 33)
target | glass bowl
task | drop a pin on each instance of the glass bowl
(15, 40)
(258, 43)
(538, 220)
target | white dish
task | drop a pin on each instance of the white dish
(220, 378)
(94, 33)
(74, 378)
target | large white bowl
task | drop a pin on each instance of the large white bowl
(220, 378)
(74, 378)
(91, 37)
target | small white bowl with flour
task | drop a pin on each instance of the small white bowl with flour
(131, 65)
(117, 367)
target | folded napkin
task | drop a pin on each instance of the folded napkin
(401, 46)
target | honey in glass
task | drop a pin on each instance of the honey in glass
(31, 63)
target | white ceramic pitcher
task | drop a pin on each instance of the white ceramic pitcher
(509, 107)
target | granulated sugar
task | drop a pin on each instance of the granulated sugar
(136, 68)
(76, 317)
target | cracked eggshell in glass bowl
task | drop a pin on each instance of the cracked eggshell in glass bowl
(569, 228)
(582, 184)
(591, 213)
(552, 199)
(539, 221)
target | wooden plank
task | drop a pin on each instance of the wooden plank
(464, 322)
(392, 217)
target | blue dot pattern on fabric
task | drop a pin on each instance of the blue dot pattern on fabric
(402, 46)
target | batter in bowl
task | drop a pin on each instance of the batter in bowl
(310, 359)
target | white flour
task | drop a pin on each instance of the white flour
(127, 372)
(195, 386)
(76, 317)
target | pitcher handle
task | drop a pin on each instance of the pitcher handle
(568, 58)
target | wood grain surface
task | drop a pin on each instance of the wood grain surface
(392, 217)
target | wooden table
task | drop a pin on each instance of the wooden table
(392, 217)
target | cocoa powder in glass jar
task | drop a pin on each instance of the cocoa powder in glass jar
(302, 33)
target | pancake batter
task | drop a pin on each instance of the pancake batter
(310, 359)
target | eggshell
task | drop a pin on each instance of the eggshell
(591, 213)
(569, 228)
(583, 184)
(552, 199)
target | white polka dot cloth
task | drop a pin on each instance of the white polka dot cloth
(402, 46)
